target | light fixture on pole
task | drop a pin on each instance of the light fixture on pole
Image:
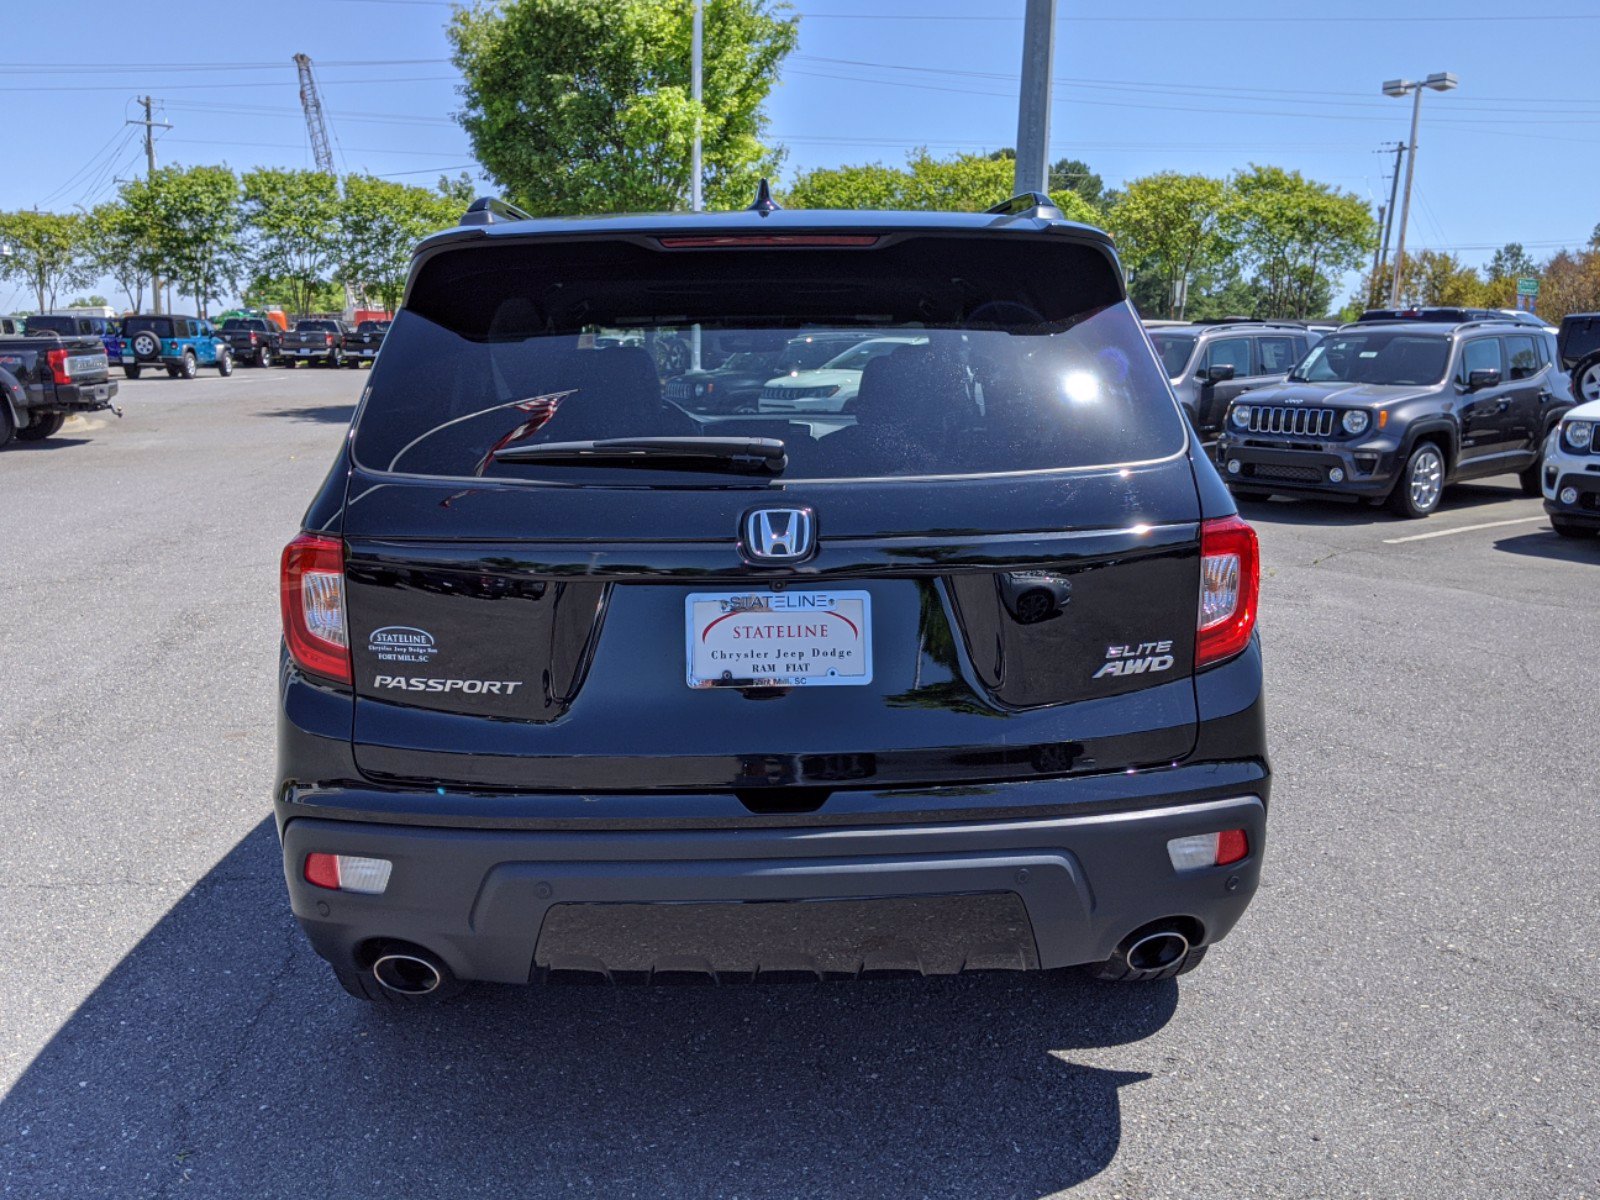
(1439, 81)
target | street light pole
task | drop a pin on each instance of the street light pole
(1439, 81)
(1033, 101)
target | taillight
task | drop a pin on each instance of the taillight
(1230, 584)
(58, 366)
(252, 339)
(348, 873)
(1195, 852)
(311, 587)
(328, 338)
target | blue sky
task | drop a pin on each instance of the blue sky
(1512, 155)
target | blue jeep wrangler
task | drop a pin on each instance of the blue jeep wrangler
(181, 344)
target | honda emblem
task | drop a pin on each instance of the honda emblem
(779, 535)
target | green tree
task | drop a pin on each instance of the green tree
(1171, 227)
(117, 247)
(292, 219)
(1073, 175)
(92, 301)
(583, 106)
(199, 230)
(1434, 277)
(964, 183)
(1298, 237)
(1569, 281)
(1510, 261)
(1066, 175)
(46, 252)
(380, 223)
(266, 291)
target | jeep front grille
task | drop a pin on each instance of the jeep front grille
(1295, 422)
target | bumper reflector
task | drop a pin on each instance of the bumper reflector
(348, 873)
(1208, 850)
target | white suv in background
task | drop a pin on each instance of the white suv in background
(833, 385)
(1572, 472)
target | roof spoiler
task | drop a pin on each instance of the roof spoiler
(486, 210)
(1028, 204)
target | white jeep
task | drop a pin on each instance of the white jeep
(1571, 475)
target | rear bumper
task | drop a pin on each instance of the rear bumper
(72, 397)
(938, 897)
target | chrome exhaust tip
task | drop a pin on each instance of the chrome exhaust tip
(409, 972)
(1157, 951)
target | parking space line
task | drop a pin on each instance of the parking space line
(1417, 537)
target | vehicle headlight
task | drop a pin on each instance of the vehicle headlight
(1241, 416)
(1579, 434)
(1356, 421)
(699, 389)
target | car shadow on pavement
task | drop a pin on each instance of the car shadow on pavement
(1284, 510)
(1547, 543)
(219, 1054)
(327, 414)
(54, 443)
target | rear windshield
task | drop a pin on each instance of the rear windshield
(372, 326)
(1381, 358)
(316, 327)
(942, 357)
(160, 326)
(55, 324)
(255, 325)
(1174, 350)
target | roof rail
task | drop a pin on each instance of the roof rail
(1274, 322)
(1028, 204)
(487, 210)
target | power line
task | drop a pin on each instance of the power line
(206, 87)
(219, 65)
(291, 146)
(1210, 19)
(1165, 87)
(93, 164)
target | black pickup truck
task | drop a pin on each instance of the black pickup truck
(254, 340)
(363, 345)
(317, 340)
(44, 379)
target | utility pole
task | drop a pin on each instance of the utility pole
(696, 185)
(150, 126)
(1439, 81)
(1033, 102)
(1386, 219)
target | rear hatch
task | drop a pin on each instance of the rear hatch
(988, 569)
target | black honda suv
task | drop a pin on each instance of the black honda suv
(577, 681)
(1397, 410)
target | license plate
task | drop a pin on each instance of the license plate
(305, 351)
(779, 639)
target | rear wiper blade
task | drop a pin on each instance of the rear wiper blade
(743, 455)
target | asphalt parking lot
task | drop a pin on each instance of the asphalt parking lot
(1408, 1009)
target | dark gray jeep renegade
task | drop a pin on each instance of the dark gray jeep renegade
(578, 681)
